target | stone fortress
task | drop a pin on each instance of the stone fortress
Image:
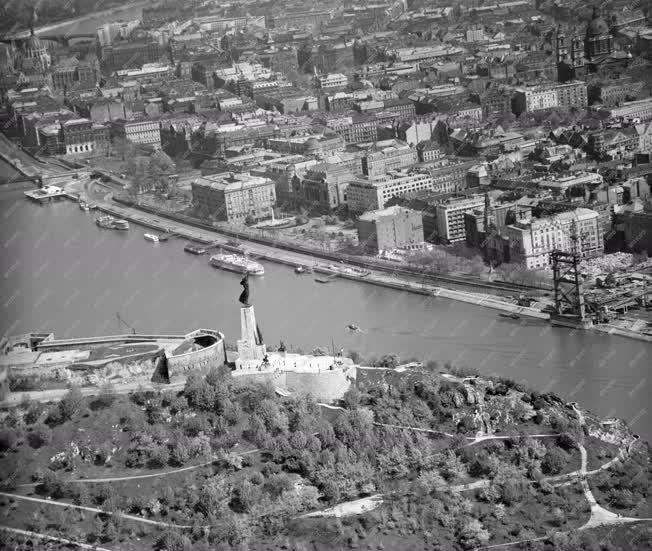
(39, 361)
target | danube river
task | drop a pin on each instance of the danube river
(61, 273)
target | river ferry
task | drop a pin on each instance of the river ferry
(236, 263)
(111, 223)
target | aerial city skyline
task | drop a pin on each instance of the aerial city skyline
(322, 276)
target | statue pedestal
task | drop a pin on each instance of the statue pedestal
(251, 350)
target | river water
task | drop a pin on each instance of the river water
(62, 273)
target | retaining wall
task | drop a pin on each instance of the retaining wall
(325, 385)
(203, 360)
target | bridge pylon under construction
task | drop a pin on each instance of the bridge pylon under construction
(569, 295)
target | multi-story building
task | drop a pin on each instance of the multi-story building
(425, 53)
(548, 96)
(77, 136)
(450, 227)
(331, 80)
(401, 107)
(388, 155)
(287, 174)
(389, 229)
(640, 109)
(429, 151)
(308, 144)
(235, 198)
(141, 131)
(324, 186)
(534, 98)
(122, 55)
(572, 94)
(496, 103)
(364, 194)
(217, 23)
(354, 129)
(450, 177)
(532, 241)
(638, 229)
(644, 133)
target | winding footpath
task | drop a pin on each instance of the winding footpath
(39, 535)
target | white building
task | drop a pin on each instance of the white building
(363, 194)
(331, 80)
(532, 241)
(138, 131)
(450, 217)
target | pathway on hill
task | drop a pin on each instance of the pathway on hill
(39, 535)
(143, 476)
(95, 510)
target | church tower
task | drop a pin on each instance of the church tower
(598, 41)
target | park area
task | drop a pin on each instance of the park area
(447, 462)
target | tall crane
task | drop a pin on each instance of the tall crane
(123, 322)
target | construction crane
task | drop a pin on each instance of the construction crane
(123, 322)
(569, 295)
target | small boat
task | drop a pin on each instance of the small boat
(510, 316)
(193, 249)
(83, 205)
(323, 280)
(120, 224)
(299, 270)
(352, 327)
(151, 237)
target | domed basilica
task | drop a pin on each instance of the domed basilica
(594, 53)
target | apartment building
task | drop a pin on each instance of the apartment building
(386, 156)
(389, 229)
(364, 194)
(449, 214)
(532, 241)
(235, 197)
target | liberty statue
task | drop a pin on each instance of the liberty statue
(244, 296)
(244, 300)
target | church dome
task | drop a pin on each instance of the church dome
(312, 144)
(598, 26)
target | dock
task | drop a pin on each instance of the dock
(45, 194)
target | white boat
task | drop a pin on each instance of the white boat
(83, 205)
(236, 263)
(151, 237)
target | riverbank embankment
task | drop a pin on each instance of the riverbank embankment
(290, 258)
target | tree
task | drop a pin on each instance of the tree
(554, 461)
(352, 398)
(8, 439)
(71, 403)
(473, 534)
(388, 360)
(171, 540)
(40, 435)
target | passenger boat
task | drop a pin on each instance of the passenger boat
(193, 249)
(236, 263)
(151, 237)
(105, 221)
(109, 222)
(83, 205)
